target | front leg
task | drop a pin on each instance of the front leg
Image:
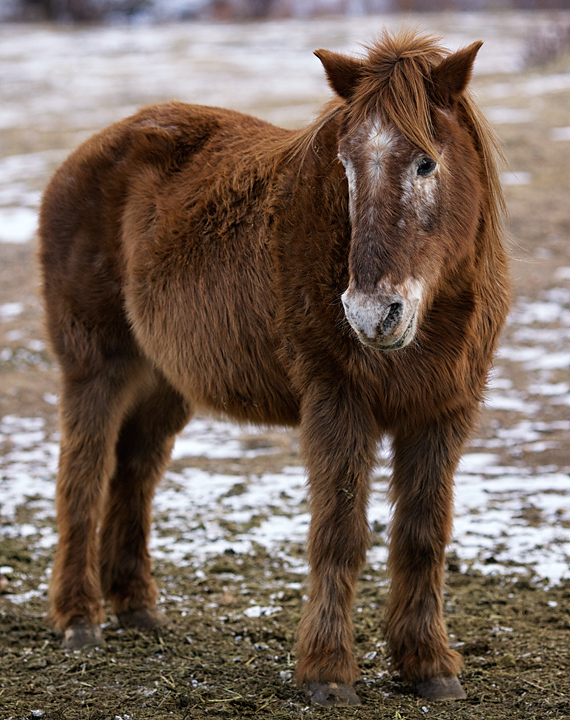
(339, 442)
(422, 492)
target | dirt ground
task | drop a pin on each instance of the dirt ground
(213, 659)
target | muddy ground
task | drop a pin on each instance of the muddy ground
(228, 651)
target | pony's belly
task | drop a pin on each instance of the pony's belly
(258, 393)
(218, 358)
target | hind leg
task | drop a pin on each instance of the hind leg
(143, 450)
(92, 406)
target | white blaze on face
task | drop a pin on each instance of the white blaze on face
(367, 150)
(351, 178)
(379, 144)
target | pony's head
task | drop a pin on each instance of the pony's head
(410, 144)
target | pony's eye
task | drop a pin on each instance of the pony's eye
(426, 166)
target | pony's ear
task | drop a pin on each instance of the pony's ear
(452, 75)
(343, 72)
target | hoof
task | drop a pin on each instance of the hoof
(144, 619)
(331, 694)
(81, 634)
(444, 688)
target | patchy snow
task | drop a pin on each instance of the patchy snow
(560, 134)
(78, 80)
(542, 85)
(8, 311)
(213, 439)
(504, 115)
(520, 177)
(17, 225)
(562, 273)
(255, 611)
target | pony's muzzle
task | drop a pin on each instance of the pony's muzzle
(384, 322)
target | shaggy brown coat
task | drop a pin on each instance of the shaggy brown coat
(194, 259)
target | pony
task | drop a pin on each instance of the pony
(349, 278)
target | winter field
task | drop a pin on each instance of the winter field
(230, 515)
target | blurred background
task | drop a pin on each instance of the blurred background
(109, 10)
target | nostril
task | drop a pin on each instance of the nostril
(393, 317)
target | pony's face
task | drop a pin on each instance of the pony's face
(413, 218)
(414, 182)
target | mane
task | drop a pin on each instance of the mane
(394, 83)
(298, 143)
(491, 154)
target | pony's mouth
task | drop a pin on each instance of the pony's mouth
(387, 345)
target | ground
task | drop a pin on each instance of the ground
(230, 516)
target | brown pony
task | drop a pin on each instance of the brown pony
(348, 278)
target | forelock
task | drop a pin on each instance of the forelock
(394, 85)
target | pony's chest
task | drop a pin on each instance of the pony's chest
(423, 385)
